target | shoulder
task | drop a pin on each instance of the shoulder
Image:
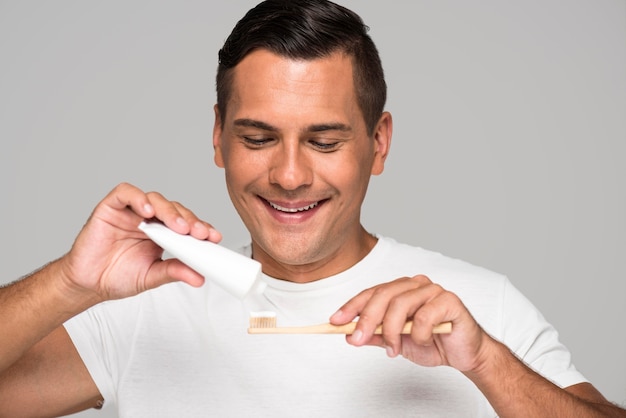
(483, 291)
(438, 267)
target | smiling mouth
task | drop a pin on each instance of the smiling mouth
(293, 210)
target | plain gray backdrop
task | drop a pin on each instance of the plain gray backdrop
(508, 149)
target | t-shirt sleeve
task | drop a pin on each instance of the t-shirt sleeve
(102, 337)
(535, 341)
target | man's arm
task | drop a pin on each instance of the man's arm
(512, 388)
(40, 370)
(515, 390)
(49, 380)
(41, 374)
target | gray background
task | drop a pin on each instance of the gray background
(508, 149)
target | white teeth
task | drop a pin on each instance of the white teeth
(293, 210)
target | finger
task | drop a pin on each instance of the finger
(349, 311)
(204, 230)
(182, 220)
(374, 341)
(403, 307)
(125, 195)
(197, 227)
(375, 309)
(170, 213)
(445, 306)
(352, 308)
(379, 341)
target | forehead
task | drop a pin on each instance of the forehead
(266, 83)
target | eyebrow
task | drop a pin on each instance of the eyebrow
(322, 127)
(329, 127)
(251, 123)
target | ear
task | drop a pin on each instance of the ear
(217, 139)
(382, 142)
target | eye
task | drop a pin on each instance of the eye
(324, 146)
(256, 142)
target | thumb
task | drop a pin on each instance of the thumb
(172, 270)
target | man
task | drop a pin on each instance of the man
(299, 129)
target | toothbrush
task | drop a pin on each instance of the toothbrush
(265, 323)
(240, 276)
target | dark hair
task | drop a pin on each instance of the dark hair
(307, 29)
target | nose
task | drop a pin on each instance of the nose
(290, 167)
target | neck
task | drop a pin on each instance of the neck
(345, 255)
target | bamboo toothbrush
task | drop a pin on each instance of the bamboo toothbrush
(265, 323)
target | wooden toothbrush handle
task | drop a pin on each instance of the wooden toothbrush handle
(443, 328)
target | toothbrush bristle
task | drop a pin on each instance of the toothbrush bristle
(264, 319)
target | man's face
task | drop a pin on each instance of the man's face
(297, 161)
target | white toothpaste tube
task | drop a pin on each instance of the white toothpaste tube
(234, 272)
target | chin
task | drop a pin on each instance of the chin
(293, 252)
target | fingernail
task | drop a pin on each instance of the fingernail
(390, 352)
(357, 335)
(338, 313)
(215, 235)
(199, 226)
(148, 208)
(181, 221)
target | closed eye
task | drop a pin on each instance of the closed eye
(256, 142)
(325, 146)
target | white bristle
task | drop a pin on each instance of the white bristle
(263, 319)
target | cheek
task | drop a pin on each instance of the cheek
(242, 167)
(348, 176)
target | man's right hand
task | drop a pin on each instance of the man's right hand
(112, 259)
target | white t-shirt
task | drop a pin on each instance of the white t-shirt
(185, 352)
